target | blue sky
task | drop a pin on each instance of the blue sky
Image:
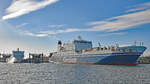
(36, 25)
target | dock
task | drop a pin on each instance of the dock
(36, 58)
(144, 60)
(4, 57)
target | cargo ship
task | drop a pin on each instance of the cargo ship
(81, 52)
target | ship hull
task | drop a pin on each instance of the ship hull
(114, 58)
(122, 59)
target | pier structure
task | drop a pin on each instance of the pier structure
(37, 58)
(144, 60)
(4, 57)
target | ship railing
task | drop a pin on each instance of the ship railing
(99, 49)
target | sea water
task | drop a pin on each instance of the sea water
(47, 73)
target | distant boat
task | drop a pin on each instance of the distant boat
(81, 52)
(17, 56)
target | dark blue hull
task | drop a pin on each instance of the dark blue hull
(120, 59)
(112, 59)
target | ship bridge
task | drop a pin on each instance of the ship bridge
(82, 44)
(76, 45)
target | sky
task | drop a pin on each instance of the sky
(36, 25)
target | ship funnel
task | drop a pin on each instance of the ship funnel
(59, 42)
(59, 46)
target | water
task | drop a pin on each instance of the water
(73, 74)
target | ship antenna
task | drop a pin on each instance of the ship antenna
(142, 43)
(99, 44)
(135, 43)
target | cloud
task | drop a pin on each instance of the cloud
(122, 22)
(34, 34)
(140, 7)
(56, 26)
(60, 31)
(39, 35)
(139, 15)
(47, 33)
(21, 25)
(117, 23)
(114, 34)
(21, 7)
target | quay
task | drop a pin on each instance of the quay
(36, 58)
(4, 57)
(144, 60)
(18, 57)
